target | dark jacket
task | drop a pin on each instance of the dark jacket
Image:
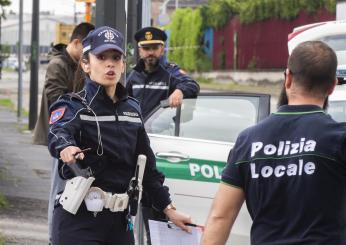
(58, 81)
(151, 88)
(116, 135)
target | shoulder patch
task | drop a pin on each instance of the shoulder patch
(56, 115)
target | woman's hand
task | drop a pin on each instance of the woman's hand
(70, 154)
(179, 219)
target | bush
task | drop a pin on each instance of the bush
(188, 24)
(185, 40)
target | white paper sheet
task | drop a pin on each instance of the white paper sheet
(162, 233)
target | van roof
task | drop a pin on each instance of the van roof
(315, 31)
(308, 26)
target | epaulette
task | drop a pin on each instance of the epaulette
(74, 96)
(171, 65)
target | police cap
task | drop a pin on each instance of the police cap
(150, 35)
(102, 39)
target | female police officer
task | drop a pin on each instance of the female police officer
(102, 117)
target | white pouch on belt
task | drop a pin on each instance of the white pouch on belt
(95, 199)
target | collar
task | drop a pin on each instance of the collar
(70, 60)
(298, 110)
(93, 87)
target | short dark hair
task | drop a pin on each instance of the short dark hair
(313, 66)
(81, 31)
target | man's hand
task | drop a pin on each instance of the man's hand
(223, 213)
(70, 154)
(176, 98)
(179, 219)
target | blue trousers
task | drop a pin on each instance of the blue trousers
(107, 228)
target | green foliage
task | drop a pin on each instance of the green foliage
(259, 10)
(184, 44)
(4, 3)
(2, 240)
(6, 103)
(3, 201)
(187, 24)
(218, 13)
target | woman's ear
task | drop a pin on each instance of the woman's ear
(85, 66)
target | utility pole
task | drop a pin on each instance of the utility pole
(34, 61)
(144, 13)
(87, 9)
(74, 13)
(111, 13)
(20, 68)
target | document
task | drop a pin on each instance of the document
(163, 233)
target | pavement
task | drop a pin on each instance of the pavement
(25, 181)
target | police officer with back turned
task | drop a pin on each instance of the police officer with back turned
(291, 167)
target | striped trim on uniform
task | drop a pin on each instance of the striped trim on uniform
(138, 86)
(99, 118)
(87, 48)
(110, 119)
(141, 43)
(129, 119)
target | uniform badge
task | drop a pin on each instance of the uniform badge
(148, 35)
(56, 115)
(109, 35)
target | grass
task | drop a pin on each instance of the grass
(3, 201)
(2, 240)
(7, 103)
(259, 87)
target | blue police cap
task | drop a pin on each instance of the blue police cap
(150, 35)
(102, 39)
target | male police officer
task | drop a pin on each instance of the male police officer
(291, 167)
(154, 79)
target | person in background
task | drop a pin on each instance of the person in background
(153, 79)
(290, 168)
(63, 61)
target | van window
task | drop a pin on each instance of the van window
(337, 43)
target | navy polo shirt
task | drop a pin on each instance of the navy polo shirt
(292, 168)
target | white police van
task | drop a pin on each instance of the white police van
(332, 33)
(192, 143)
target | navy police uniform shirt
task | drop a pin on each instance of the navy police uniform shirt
(292, 168)
(115, 133)
(151, 88)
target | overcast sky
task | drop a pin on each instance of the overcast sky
(56, 6)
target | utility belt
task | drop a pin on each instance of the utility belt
(79, 188)
(96, 200)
